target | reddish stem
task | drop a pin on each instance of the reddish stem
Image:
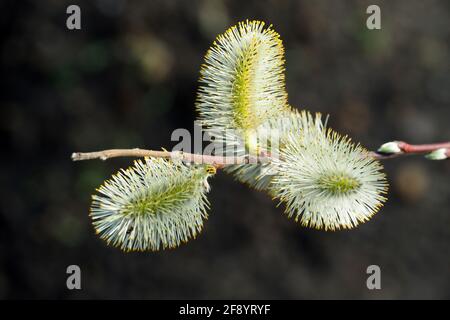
(422, 148)
(408, 149)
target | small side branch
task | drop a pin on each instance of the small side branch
(394, 149)
(216, 161)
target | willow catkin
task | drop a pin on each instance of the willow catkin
(155, 204)
(328, 182)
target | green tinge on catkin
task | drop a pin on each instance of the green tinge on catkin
(243, 115)
(338, 183)
(155, 201)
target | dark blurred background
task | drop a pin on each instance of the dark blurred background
(129, 78)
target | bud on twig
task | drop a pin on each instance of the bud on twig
(390, 148)
(438, 154)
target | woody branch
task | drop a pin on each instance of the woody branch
(434, 151)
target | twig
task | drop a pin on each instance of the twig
(217, 161)
(386, 151)
(396, 149)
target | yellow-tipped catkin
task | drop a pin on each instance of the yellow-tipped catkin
(155, 204)
(242, 82)
(328, 182)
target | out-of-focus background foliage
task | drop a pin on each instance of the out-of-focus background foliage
(129, 78)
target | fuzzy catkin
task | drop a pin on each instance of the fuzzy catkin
(155, 204)
(242, 84)
(328, 182)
